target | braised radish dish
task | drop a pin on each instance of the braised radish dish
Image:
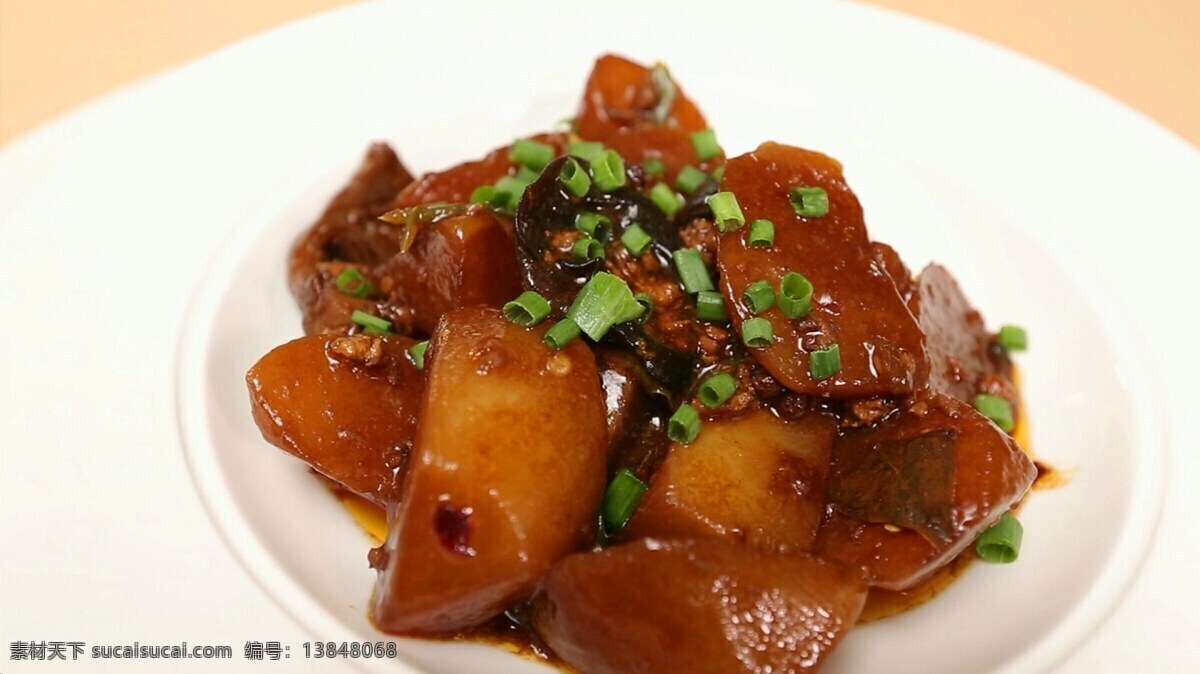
(652, 407)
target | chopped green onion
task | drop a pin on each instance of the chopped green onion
(372, 324)
(684, 425)
(710, 306)
(489, 196)
(600, 304)
(705, 144)
(726, 212)
(573, 178)
(997, 409)
(510, 188)
(584, 149)
(758, 297)
(588, 249)
(761, 234)
(690, 179)
(719, 173)
(594, 225)
(1012, 338)
(527, 310)
(531, 153)
(824, 363)
(351, 282)
(1001, 542)
(665, 198)
(757, 333)
(717, 389)
(417, 352)
(795, 295)
(647, 303)
(666, 92)
(635, 239)
(692, 271)
(654, 168)
(526, 175)
(621, 499)
(635, 309)
(561, 333)
(608, 171)
(809, 202)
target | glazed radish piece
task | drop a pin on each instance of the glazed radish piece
(453, 262)
(754, 478)
(345, 405)
(855, 304)
(695, 606)
(912, 492)
(506, 475)
(964, 359)
(621, 94)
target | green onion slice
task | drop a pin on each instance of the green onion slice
(997, 409)
(690, 179)
(635, 239)
(665, 198)
(824, 363)
(372, 324)
(717, 389)
(573, 178)
(417, 353)
(621, 499)
(710, 306)
(584, 149)
(351, 282)
(795, 295)
(757, 333)
(600, 304)
(761, 234)
(527, 310)
(719, 173)
(489, 196)
(758, 297)
(561, 333)
(588, 248)
(654, 168)
(809, 202)
(692, 271)
(531, 153)
(1001, 542)
(594, 225)
(684, 425)
(726, 211)
(705, 144)
(608, 171)
(1012, 338)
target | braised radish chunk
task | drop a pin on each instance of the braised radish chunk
(455, 261)
(912, 492)
(754, 478)
(346, 406)
(963, 357)
(505, 478)
(695, 606)
(621, 94)
(874, 345)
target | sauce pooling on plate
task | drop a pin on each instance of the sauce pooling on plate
(611, 397)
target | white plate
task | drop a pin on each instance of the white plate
(1017, 178)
